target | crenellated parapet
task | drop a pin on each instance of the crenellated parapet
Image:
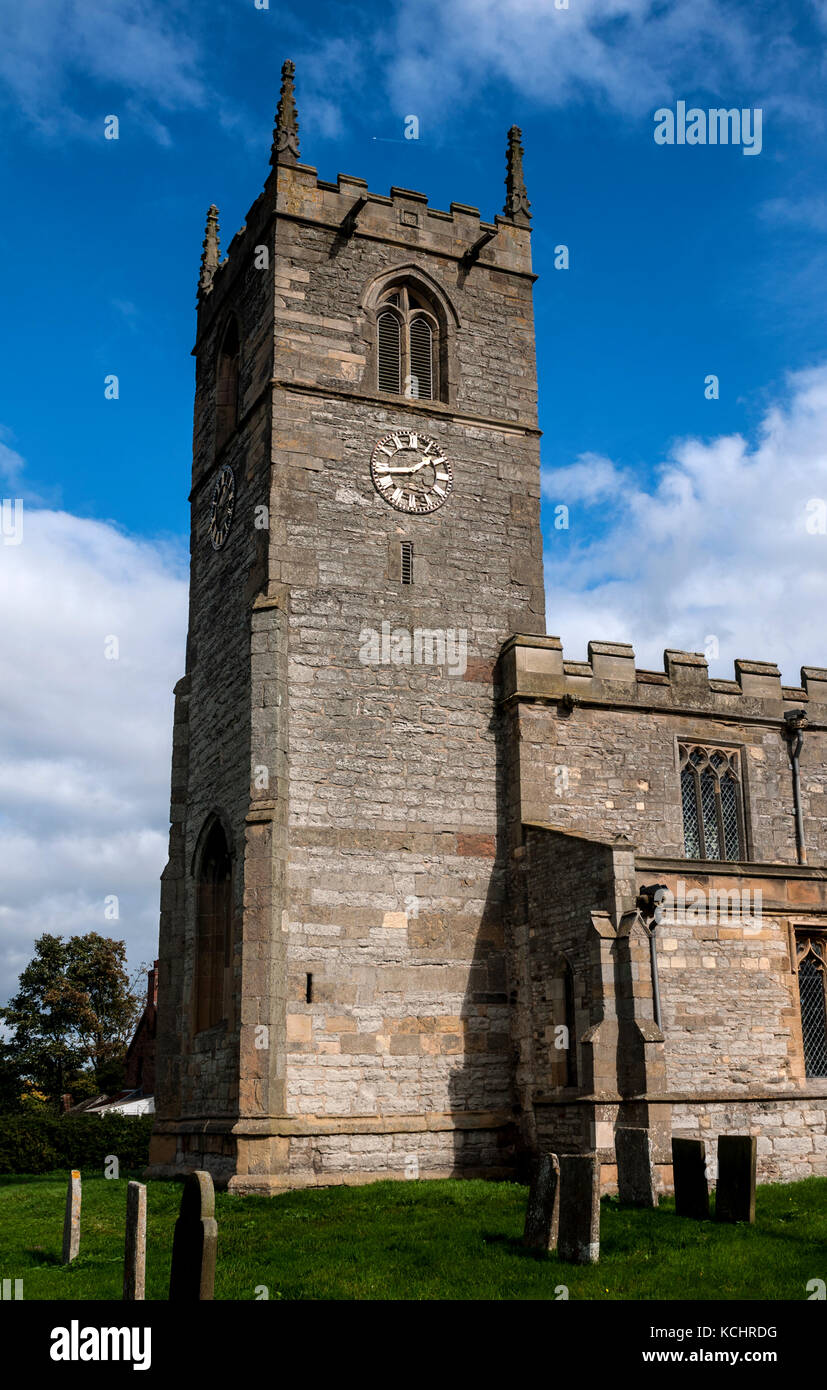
(534, 668)
(293, 191)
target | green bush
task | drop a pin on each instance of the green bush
(37, 1143)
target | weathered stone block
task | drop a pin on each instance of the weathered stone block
(71, 1220)
(543, 1210)
(689, 1174)
(579, 1229)
(134, 1267)
(194, 1242)
(735, 1188)
(636, 1180)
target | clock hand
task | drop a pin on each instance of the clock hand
(415, 469)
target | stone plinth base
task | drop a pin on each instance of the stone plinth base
(302, 1152)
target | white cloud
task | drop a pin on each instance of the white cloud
(145, 49)
(427, 58)
(84, 741)
(11, 463)
(720, 545)
(629, 54)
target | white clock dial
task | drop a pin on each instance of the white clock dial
(411, 473)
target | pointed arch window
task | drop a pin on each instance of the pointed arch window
(711, 799)
(213, 930)
(561, 1029)
(226, 384)
(811, 958)
(408, 345)
(571, 1024)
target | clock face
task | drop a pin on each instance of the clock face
(221, 507)
(411, 472)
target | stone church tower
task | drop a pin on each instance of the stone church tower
(365, 536)
(436, 896)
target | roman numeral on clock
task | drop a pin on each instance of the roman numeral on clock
(411, 473)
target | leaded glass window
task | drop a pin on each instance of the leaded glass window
(711, 801)
(811, 953)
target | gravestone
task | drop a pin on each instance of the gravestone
(194, 1242)
(134, 1264)
(735, 1188)
(636, 1181)
(71, 1220)
(543, 1210)
(578, 1240)
(689, 1171)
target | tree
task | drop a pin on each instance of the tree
(12, 1084)
(75, 1008)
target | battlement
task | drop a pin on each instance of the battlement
(348, 208)
(534, 668)
(402, 214)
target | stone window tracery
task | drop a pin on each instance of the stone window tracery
(712, 803)
(407, 337)
(811, 960)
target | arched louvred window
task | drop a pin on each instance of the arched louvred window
(226, 384)
(213, 930)
(388, 332)
(422, 359)
(407, 340)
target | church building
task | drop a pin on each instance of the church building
(437, 896)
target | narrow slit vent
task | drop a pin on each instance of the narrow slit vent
(407, 562)
(308, 989)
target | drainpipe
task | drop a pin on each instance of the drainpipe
(795, 723)
(650, 900)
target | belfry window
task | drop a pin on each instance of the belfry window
(811, 959)
(407, 345)
(213, 930)
(226, 385)
(713, 812)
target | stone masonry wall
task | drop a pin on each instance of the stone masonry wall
(395, 866)
(201, 1073)
(591, 754)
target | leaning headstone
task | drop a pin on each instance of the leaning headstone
(543, 1210)
(689, 1171)
(636, 1181)
(134, 1264)
(194, 1242)
(71, 1220)
(578, 1241)
(735, 1188)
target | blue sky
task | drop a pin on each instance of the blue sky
(687, 515)
(683, 261)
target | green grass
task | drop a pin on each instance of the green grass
(414, 1240)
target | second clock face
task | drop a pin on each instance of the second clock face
(222, 506)
(411, 472)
